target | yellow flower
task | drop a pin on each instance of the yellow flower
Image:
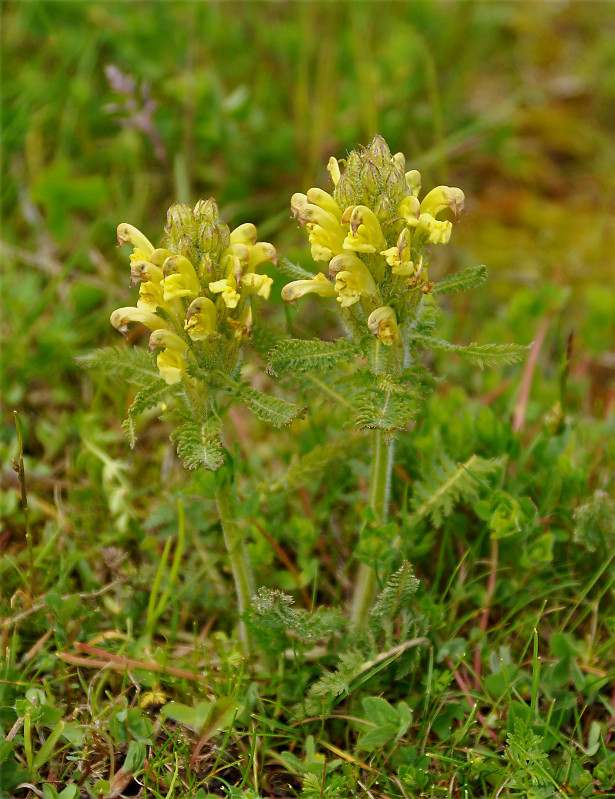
(443, 197)
(333, 168)
(399, 257)
(144, 270)
(438, 232)
(353, 279)
(365, 234)
(201, 319)
(227, 289)
(243, 325)
(261, 284)
(325, 201)
(129, 234)
(162, 337)
(316, 285)
(413, 179)
(171, 361)
(410, 209)
(122, 317)
(180, 278)
(244, 234)
(150, 295)
(383, 324)
(171, 365)
(260, 253)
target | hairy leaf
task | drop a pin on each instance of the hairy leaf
(295, 356)
(272, 611)
(293, 271)
(469, 278)
(270, 409)
(479, 354)
(397, 593)
(446, 483)
(313, 463)
(131, 363)
(199, 445)
(385, 410)
(145, 399)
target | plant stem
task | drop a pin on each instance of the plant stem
(379, 491)
(235, 546)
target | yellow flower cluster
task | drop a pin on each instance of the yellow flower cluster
(375, 233)
(196, 292)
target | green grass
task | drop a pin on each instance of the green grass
(121, 665)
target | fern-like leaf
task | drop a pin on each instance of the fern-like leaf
(376, 355)
(145, 399)
(131, 363)
(385, 410)
(334, 683)
(480, 355)
(199, 445)
(270, 409)
(316, 462)
(273, 611)
(293, 271)
(295, 356)
(396, 594)
(446, 483)
(468, 278)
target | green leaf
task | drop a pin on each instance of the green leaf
(220, 716)
(131, 363)
(385, 410)
(480, 355)
(376, 354)
(135, 757)
(293, 271)
(199, 445)
(316, 462)
(270, 409)
(295, 356)
(469, 278)
(379, 711)
(46, 750)
(595, 522)
(378, 737)
(397, 593)
(145, 399)
(446, 483)
(193, 717)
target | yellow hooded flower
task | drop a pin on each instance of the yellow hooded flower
(171, 361)
(383, 324)
(122, 317)
(353, 279)
(129, 234)
(316, 285)
(180, 278)
(201, 319)
(365, 233)
(171, 365)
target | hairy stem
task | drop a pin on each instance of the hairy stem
(379, 491)
(236, 548)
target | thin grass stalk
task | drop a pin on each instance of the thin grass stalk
(237, 552)
(379, 493)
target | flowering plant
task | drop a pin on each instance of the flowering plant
(376, 234)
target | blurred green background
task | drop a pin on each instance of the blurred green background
(113, 110)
